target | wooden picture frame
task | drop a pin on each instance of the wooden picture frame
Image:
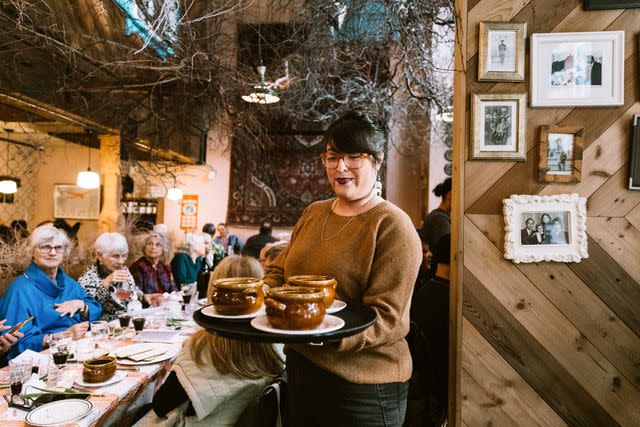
(577, 69)
(634, 155)
(545, 228)
(610, 4)
(498, 126)
(73, 202)
(560, 154)
(501, 54)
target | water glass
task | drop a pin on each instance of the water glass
(85, 349)
(43, 366)
(60, 352)
(100, 330)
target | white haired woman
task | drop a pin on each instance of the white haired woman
(57, 302)
(150, 272)
(101, 279)
(186, 264)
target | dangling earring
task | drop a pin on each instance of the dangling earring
(378, 186)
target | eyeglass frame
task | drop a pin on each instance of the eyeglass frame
(343, 157)
(44, 251)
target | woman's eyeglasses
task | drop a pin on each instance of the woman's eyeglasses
(46, 249)
(351, 160)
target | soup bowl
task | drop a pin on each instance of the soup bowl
(98, 369)
(325, 284)
(294, 307)
(236, 296)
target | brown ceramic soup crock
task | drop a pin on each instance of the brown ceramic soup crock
(99, 369)
(326, 284)
(236, 296)
(294, 307)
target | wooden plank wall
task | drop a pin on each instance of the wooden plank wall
(550, 343)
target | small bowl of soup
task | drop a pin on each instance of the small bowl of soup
(295, 307)
(236, 296)
(98, 369)
(325, 284)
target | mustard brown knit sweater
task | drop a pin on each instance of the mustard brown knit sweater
(375, 260)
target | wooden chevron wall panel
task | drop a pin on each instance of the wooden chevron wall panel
(553, 344)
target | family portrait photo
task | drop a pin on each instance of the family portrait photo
(560, 154)
(502, 54)
(499, 125)
(544, 228)
(576, 68)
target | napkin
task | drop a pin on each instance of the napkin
(30, 354)
(32, 382)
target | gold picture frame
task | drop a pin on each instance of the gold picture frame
(501, 55)
(560, 154)
(498, 126)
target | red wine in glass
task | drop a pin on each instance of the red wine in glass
(138, 323)
(60, 357)
(124, 320)
(123, 294)
(16, 388)
(35, 369)
(186, 298)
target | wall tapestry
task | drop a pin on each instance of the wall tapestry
(275, 181)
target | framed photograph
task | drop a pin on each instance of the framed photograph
(634, 155)
(577, 69)
(610, 4)
(545, 228)
(73, 202)
(501, 56)
(560, 158)
(498, 126)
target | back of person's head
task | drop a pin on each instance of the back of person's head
(193, 240)
(244, 359)
(265, 228)
(357, 132)
(209, 228)
(274, 252)
(443, 188)
(442, 250)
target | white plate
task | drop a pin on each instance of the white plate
(329, 324)
(336, 306)
(171, 350)
(211, 312)
(60, 412)
(118, 376)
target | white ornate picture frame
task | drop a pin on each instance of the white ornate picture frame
(545, 228)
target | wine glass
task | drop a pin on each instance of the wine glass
(123, 291)
(19, 372)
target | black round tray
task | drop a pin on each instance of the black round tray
(356, 319)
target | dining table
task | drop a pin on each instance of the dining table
(115, 404)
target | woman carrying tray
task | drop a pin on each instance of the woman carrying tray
(373, 250)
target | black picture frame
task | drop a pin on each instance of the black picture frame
(610, 4)
(634, 155)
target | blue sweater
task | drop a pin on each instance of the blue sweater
(33, 294)
(184, 270)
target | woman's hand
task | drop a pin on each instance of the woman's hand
(70, 307)
(7, 340)
(153, 299)
(78, 330)
(118, 276)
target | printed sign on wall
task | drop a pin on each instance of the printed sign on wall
(189, 212)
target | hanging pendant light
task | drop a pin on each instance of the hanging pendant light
(88, 179)
(8, 184)
(262, 93)
(174, 193)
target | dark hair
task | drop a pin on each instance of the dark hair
(357, 132)
(443, 188)
(442, 250)
(222, 224)
(265, 228)
(209, 228)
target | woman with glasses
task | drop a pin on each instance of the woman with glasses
(108, 280)
(372, 249)
(57, 302)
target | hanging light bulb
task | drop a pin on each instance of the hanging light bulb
(262, 93)
(174, 193)
(8, 184)
(88, 179)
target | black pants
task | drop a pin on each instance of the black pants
(319, 398)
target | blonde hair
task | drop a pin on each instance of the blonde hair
(244, 359)
(235, 266)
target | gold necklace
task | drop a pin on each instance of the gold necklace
(347, 223)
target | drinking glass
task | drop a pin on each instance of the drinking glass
(85, 349)
(19, 372)
(43, 366)
(60, 353)
(99, 329)
(124, 318)
(138, 323)
(123, 291)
